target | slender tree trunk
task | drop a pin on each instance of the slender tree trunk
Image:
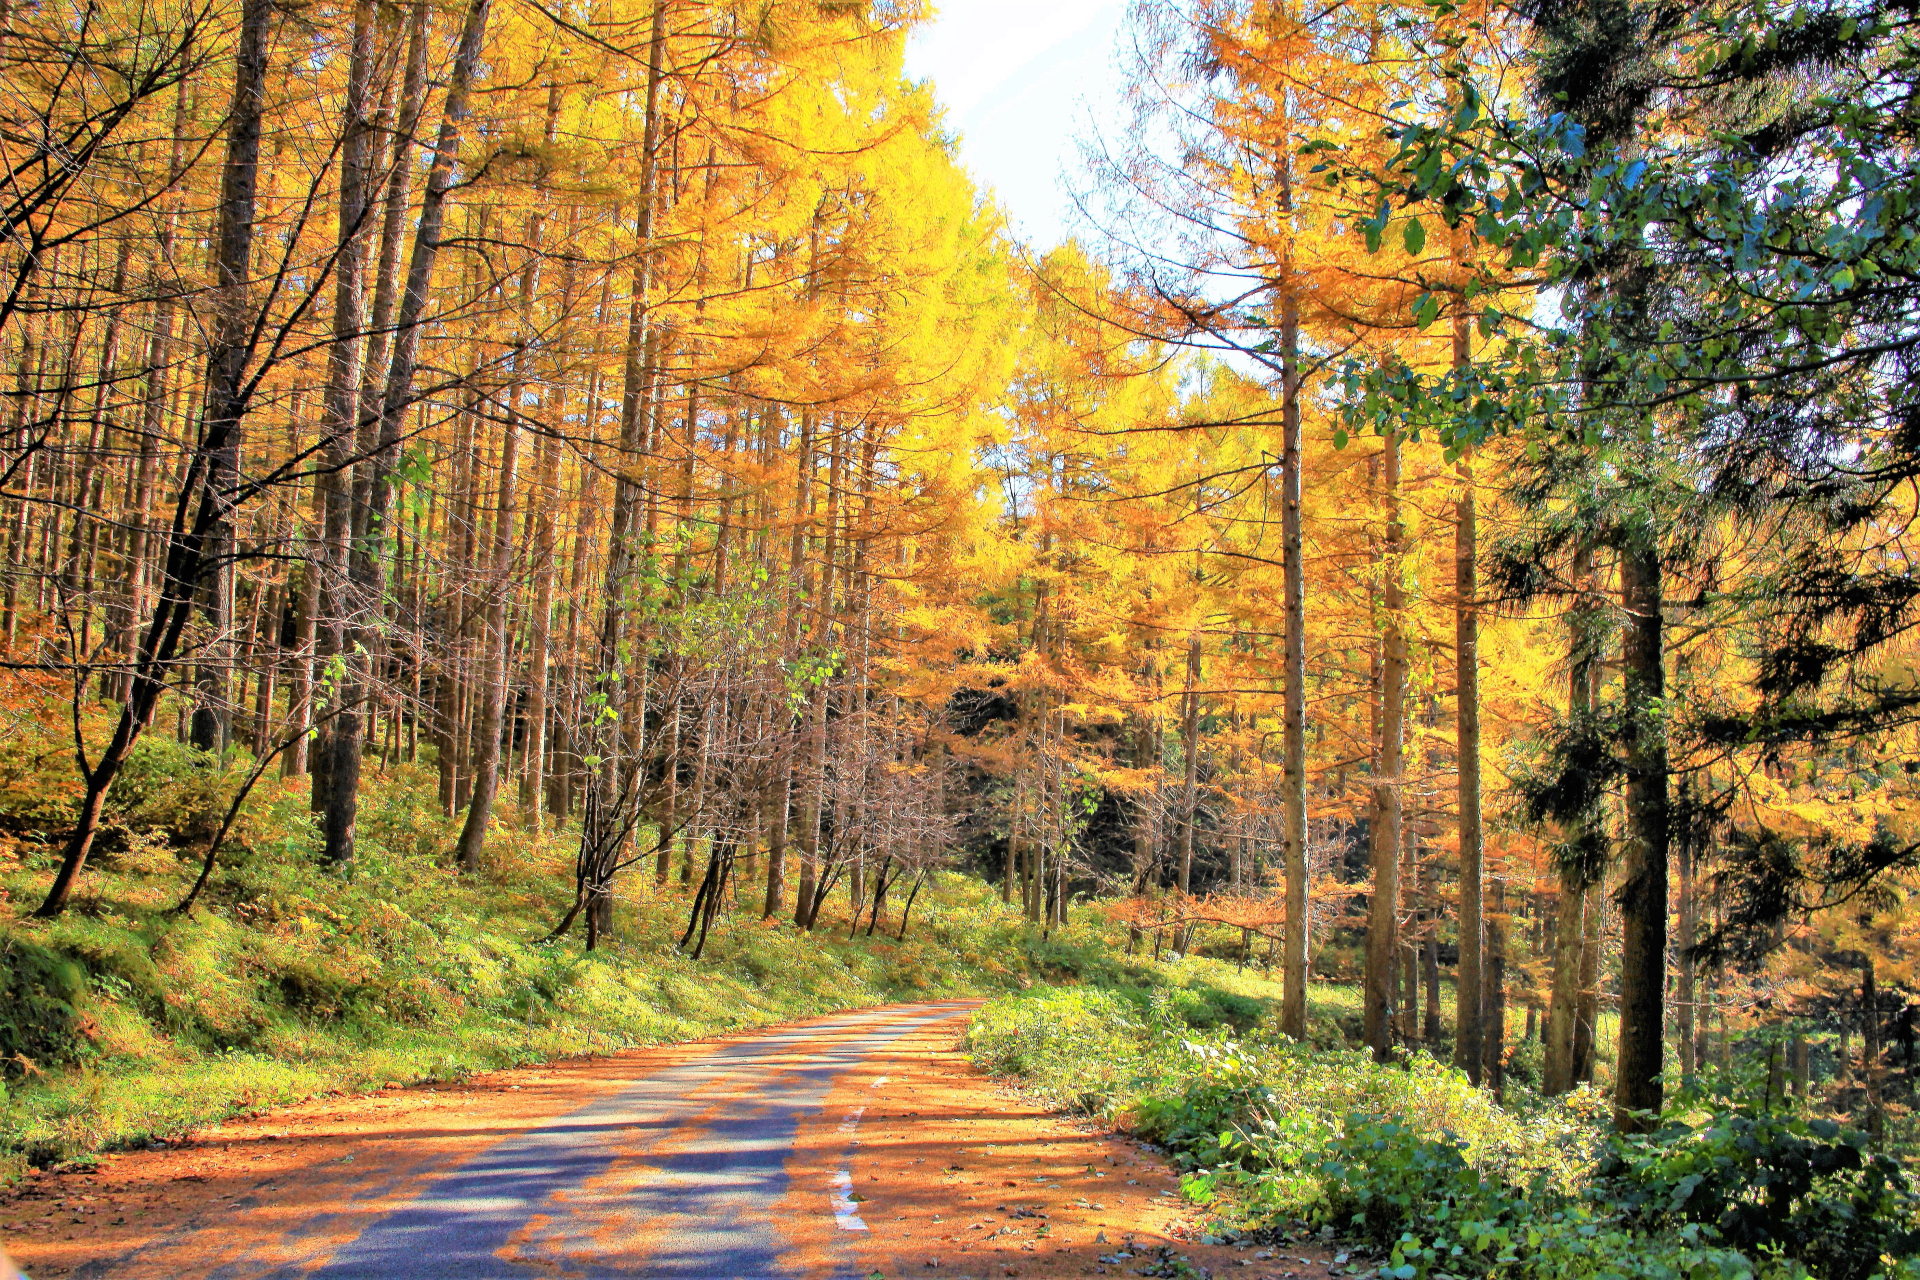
(494, 729)
(1468, 986)
(1568, 920)
(1580, 850)
(227, 358)
(1383, 904)
(1643, 892)
(396, 184)
(1010, 861)
(1493, 1001)
(1870, 1064)
(781, 805)
(153, 407)
(293, 762)
(493, 690)
(1684, 1020)
(1410, 951)
(1190, 748)
(340, 426)
(1586, 1010)
(540, 628)
(1293, 1000)
(1430, 974)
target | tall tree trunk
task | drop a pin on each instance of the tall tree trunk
(493, 681)
(540, 624)
(1383, 904)
(1010, 860)
(153, 406)
(1190, 749)
(1016, 853)
(228, 353)
(1870, 1065)
(800, 758)
(1569, 917)
(340, 421)
(781, 804)
(1468, 981)
(1493, 999)
(1684, 1021)
(1410, 951)
(1581, 850)
(1586, 1009)
(1430, 1029)
(815, 777)
(1293, 999)
(1643, 891)
(395, 181)
(499, 638)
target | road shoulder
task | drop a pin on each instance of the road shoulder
(959, 1175)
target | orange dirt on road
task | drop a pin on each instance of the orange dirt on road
(855, 1146)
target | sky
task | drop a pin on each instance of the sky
(1018, 79)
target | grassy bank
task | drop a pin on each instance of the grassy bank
(122, 1022)
(1435, 1177)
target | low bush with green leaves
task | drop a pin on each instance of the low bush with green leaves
(1444, 1182)
(1767, 1182)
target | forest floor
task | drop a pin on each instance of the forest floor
(859, 1145)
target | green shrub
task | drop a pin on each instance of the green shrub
(40, 1026)
(1412, 1160)
(1383, 1180)
(1769, 1183)
(169, 790)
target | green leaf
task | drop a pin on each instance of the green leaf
(1416, 236)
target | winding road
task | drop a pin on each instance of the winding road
(844, 1147)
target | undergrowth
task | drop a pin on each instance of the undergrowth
(123, 1023)
(1435, 1176)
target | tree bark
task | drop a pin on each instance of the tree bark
(340, 422)
(1493, 999)
(228, 354)
(1870, 1073)
(1293, 998)
(1468, 981)
(1190, 750)
(493, 687)
(1575, 871)
(1643, 892)
(1684, 1021)
(781, 805)
(1383, 903)
(1586, 1009)
(540, 626)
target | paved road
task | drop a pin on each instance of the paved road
(732, 1163)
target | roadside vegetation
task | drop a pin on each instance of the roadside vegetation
(127, 1022)
(1432, 1177)
(123, 1022)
